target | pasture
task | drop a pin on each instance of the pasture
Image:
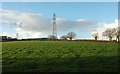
(59, 56)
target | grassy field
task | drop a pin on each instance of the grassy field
(59, 56)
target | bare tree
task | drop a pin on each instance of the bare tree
(117, 34)
(51, 37)
(95, 35)
(63, 37)
(109, 32)
(71, 35)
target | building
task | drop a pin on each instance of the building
(4, 38)
(0, 38)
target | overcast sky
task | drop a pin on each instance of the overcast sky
(34, 19)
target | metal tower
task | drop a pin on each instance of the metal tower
(17, 35)
(54, 26)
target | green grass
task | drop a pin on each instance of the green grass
(58, 56)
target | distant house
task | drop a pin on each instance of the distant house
(0, 38)
(4, 38)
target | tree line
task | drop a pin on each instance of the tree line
(109, 33)
(69, 36)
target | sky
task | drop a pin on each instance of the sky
(34, 19)
(60, 0)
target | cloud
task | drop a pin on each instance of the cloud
(30, 25)
(37, 25)
(68, 25)
(5, 34)
(103, 26)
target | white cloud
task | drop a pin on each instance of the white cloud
(36, 25)
(103, 26)
(5, 34)
(9, 35)
(29, 25)
(81, 20)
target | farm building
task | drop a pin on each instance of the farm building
(0, 38)
(5, 38)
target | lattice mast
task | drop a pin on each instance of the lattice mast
(17, 35)
(54, 26)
